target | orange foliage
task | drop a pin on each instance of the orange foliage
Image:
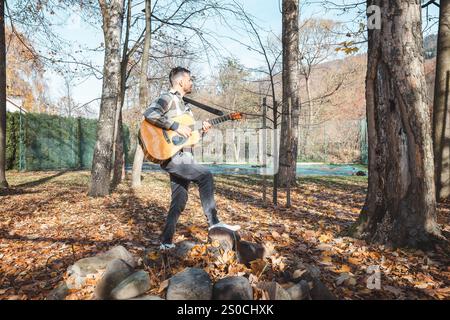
(24, 71)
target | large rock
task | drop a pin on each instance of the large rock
(226, 238)
(233, 288)
(306, 272)
(79, 271)
(275, 291)
(190, 284)
(92, 265)
(320, 292)
(120, 252)
(134, 285)
(299, 291)
(229, 240)
(88, 266)
(249, 251)
(59, 293)
(116, 271)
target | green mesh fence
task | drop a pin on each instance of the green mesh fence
(127, 145)
(12, 140)
(87, 129)
(49, 142)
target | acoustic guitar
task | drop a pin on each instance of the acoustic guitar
(160, 144)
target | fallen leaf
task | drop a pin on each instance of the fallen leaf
(257, 266)
(153, 255)
(343, 268)
(324, 238)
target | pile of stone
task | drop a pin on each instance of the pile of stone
(229, 240)
(195, 284)
(120, 280)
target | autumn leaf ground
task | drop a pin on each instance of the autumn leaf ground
(47, 222)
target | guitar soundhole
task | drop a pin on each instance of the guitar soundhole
(177, 140)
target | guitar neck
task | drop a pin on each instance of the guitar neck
(220, 119)
(199, 124)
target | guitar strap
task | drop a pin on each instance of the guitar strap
(203, 106)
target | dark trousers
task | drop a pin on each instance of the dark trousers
(182, 170)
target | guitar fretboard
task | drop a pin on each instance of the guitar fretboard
(220, 119)
(199, 124)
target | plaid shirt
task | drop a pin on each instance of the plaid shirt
(160, 113)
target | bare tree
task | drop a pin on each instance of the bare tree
(185, 15)
(317, 38)
(3, 181)
(112, 14)
(143, 93)
(66, 105)
(118, 146)
(291, 99)
(441, 122)
(400, 207)
(271, 51)
(269, 48)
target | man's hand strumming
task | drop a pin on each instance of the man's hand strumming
(184, 131)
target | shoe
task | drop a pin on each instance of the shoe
(166, 246)
(226, 226)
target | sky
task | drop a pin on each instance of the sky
(266, 13)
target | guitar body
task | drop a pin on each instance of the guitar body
(161, 144)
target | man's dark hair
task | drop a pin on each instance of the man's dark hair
(175, 72)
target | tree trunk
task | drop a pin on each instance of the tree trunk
(400, 207)
(310, 107)
(288, 149)
(275, 136)
(137, 166)
(309, 118)
(118, 149)
(275, 153)
(119, 155)
(143, 94)
(3, 182)
(101, 163)
(441, 127)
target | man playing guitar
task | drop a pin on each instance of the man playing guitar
(182, 167)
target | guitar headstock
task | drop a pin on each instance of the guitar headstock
(236, 116)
